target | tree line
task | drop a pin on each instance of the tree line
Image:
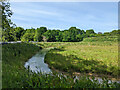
(10, 32)
(73, 34)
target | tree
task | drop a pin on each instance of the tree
(38, 37)
(66, 36)
(7, 25)
(73, 34)
(51, 35)
(59, 37)
(42, 30)
(47, 34)
(88, 32)
(79, 37)
(39, 34)
(28, 35)
(114, 32)
(19, 31)
(106, 33)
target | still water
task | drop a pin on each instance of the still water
(36, 63)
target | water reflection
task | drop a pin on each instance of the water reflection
(36, 63)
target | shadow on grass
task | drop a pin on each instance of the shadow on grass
(59, 49)
(72, 63)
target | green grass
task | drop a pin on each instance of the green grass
(102, 39)
(85, 57)
(14, 57)
(66, 58)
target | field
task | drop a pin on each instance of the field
(69, 57)
(97, 58)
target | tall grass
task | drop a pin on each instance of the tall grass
(14, 57)
(101, 39)
(16, 76)
(86, 57)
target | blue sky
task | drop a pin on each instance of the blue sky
(100, 16)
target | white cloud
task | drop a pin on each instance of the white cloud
(44, 12)
(62, 15)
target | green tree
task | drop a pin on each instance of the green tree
(90, 32)
(106, 33)
(51, 35)
(79, 37)
(59, 37)
(39, 33)
(42, 30)
(74, 33)
(38, 37)
(19, 31)
(29, 35)
(114, 32)
(66, 36)
(7, 25)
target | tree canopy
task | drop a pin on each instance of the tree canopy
(10, 32)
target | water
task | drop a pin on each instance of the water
(36, 63)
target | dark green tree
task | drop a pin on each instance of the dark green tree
(39, 33)
(7, 25)
(66, 36)
(29, 35)
(19, 32)
(89, 32)
(42, 30)
(114, 32)
(52, 35)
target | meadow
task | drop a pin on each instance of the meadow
(99, 57)
(69, 57)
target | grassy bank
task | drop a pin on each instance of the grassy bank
(96, 57)
(14, 57)
(16, 76)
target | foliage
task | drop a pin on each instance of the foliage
(38, 33)
(7, 24)
(13, 33)
(74, 57)
(29, 35)
(19, 32)
(51, 35)
(90, 31)
(16, 76)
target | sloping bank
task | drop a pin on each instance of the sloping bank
(13, 58)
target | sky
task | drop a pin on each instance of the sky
(99, 16)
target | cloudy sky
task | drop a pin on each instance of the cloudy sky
(100, 16)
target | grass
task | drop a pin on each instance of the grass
(85, 57)
(13, 58)
(102, 39)
(64, 57)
